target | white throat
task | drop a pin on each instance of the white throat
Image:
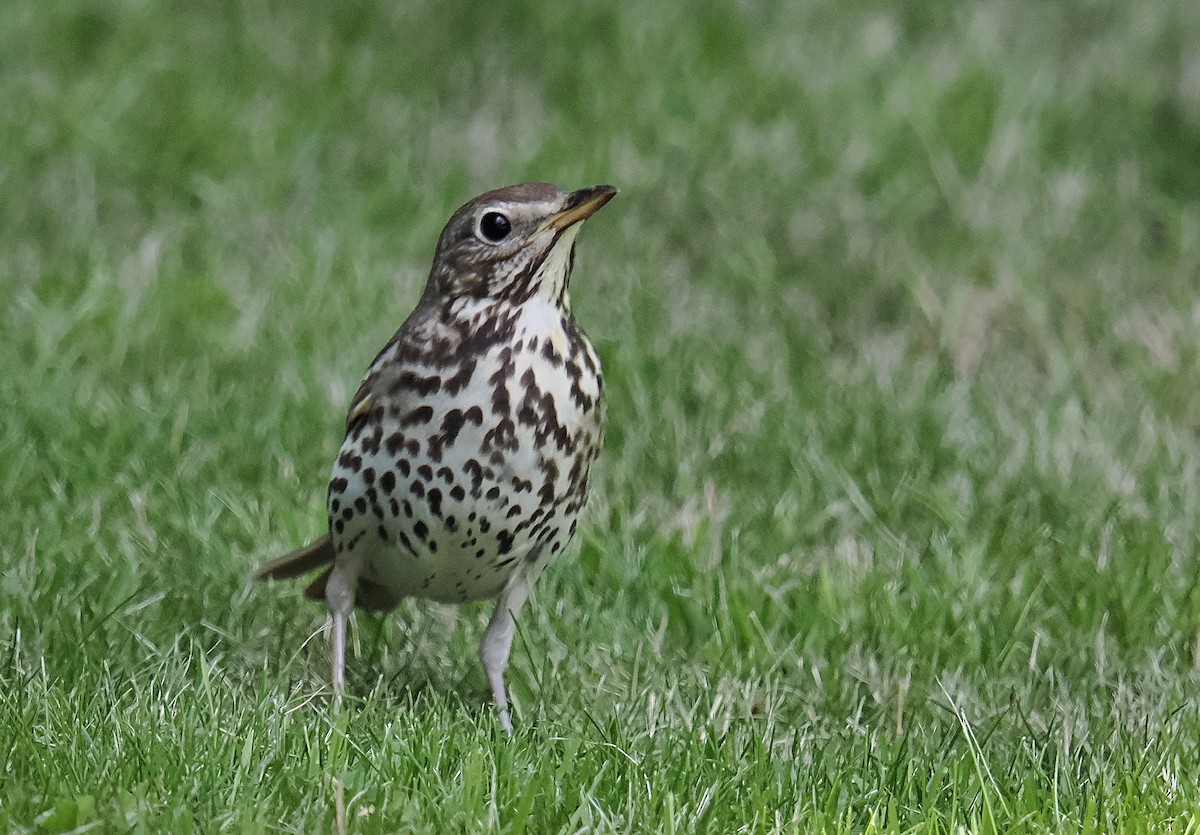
(552, 276)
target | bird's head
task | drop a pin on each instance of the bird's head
(514, 243)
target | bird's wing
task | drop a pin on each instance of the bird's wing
(361, 404)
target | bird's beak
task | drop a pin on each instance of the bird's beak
(581, 205)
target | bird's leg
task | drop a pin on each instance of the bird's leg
(497, 641)
(339, 592)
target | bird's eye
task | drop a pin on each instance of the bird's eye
(494, 227)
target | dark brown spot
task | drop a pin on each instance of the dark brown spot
(423, 386)
(502, 436)
(371, 443)
(455, 384)
(452, 423)
(499, 382)
(475, 471)
(546, 493)
(416, 417)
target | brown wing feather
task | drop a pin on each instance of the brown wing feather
(360, 406)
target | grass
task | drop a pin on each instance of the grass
(896, 528)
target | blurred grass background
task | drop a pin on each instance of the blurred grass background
(896, 525)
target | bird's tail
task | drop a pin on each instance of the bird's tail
(368, 594)
(301, 561)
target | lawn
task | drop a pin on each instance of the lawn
(897, 528)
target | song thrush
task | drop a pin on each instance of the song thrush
(468, 445)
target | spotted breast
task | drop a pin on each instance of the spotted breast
(468, 450)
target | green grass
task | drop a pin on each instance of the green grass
(897, 525)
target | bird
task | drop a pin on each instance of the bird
(469, 444)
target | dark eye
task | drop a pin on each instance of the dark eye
(494, 227)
